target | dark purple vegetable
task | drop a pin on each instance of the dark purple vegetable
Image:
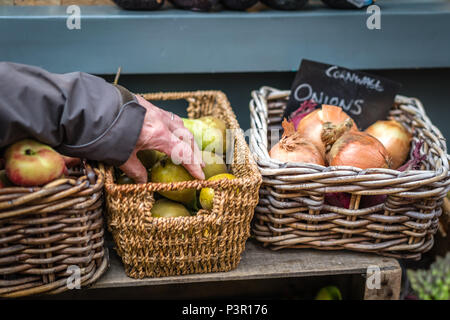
(239, 4)
(372, 201)
(196, 5)
(285, 4)
(139, 4)
(416, 160)
(305, 108)
(342, 200)
(338, 199)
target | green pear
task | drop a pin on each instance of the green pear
(165, 171)
(149, 157)
(164, 208)
(214, 164)
(210, 133)
(207, 194)
(329, 293)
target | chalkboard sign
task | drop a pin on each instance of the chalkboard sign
(364, 97)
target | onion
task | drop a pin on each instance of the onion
(395, 138)
(294, 148)
(358, 149)
(310, 127)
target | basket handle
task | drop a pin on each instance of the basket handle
(89, 172)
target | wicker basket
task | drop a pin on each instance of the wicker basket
(46, 231)
(292, 212)
(210, 241)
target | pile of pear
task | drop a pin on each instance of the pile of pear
(210, 135)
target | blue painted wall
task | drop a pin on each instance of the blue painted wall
(431, 86)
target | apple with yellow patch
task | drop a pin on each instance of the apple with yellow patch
(29, 163)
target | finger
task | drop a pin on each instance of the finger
(134, 169)
(186, 136)
(182, 153)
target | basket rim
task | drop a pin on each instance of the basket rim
(270, 93)
(254, 178)
(167, 186)
(57, 190)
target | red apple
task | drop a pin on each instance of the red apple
(29, 163)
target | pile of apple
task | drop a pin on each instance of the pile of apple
(210, 135)
(29, 163)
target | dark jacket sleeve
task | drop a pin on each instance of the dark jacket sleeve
(78, 114)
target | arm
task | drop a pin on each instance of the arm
(78, 114)
(83, 116)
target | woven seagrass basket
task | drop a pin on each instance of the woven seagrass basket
(210, 241)
(51, 234)
(292, 212)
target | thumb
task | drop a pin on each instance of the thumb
(134, 169)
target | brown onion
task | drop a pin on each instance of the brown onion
(294, 148)
(395, 138)
(358, 149)
(310, 127)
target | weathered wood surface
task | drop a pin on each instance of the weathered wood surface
(261, 263)
(390, 286)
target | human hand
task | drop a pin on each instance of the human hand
(164, 132)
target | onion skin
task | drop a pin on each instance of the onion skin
(305, 151)
(395, 138)
(416, 160)
(358, 149)
(305, 108)
(294, 148)
(310, 127)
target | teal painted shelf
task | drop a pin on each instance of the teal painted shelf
(414, 34)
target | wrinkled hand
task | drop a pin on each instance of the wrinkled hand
(163, 133)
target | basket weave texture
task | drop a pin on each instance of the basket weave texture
(292, 212)
(50, 235)
(210, 241)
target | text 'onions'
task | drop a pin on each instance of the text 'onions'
(294, 148)
(310, 127)
(395, 138)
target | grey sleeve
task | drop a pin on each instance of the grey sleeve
(78, 114)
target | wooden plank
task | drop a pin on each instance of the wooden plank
(390, 286)
(261, 263)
